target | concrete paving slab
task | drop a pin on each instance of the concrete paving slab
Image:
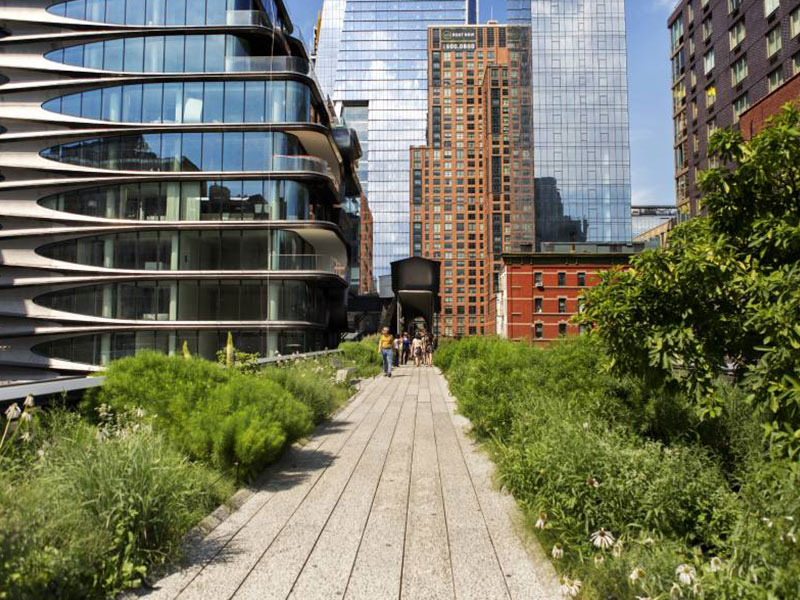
(391, 500)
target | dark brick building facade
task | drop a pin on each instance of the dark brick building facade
(726, 55)
(754, 119)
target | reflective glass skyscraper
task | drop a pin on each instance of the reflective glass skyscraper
(581, 137)
(371, 61)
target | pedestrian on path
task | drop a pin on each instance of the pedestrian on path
(429, 350)
(406, 349)
(385, 348)
(417, 348)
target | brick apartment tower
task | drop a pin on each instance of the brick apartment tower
(472, 184)
(727, 56)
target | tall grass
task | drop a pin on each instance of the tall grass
(86, 510)
(584, 451)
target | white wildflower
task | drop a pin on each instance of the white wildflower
(791, 537)
(617, 549)
(541, 521)
(599, 559)
(586, 426)
(569, 587)
(686, 574)
(558, 551)
(675, 591)
(715, 565)
(139, 413)
(13, 412)
(767, 522)
(40, 453)
(636, 574)
(696, 588)
(25, 436)
(26, 416)
(603, 539)
(649, 542)
(29, 401)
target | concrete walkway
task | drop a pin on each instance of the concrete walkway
(390, 500)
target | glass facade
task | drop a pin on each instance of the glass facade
(580, 98)
(192, 250)
(195, 300)
(100, 349)
(174, 54)
(171, 12)
(372, 54)
(226, 200)
(181, 152)
(191, 102)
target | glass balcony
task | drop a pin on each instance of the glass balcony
(247, 17)
(307, 262)
(266, 64)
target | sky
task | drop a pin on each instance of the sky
(649, 89)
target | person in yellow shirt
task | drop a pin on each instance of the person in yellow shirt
(385, 348)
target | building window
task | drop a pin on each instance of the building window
(770, 6)
(562, 279)
(581, 279)
(741, 104)
(562, 305)
(733, 5)
(562, 329)
(711, 96)
(708, 28)
(676, 34)
(737, 34)
(538, 330)
(537, 279)
(796, 64)
(738, 71)
(537, 305)
(708, 62)
(775, 79)
(774, 41)
(794, 22)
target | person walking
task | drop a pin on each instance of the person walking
(406, 349)
(385, 343)
(417, 348)
(429, 350)
(398, 349)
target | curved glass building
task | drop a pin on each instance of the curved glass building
(171, 172)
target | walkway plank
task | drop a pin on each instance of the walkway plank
(391, 500)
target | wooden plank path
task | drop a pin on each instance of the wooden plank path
(390, 500)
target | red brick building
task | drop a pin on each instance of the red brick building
(471, 186)
(753, 120)
(540, 292)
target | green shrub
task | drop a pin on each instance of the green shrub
(365, 356)
(312, 383)
(89, 510)
(230, 420)
(588, 449)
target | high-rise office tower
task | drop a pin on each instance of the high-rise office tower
(170, 173)
(371, 61)
(471, 197)
(728, 57)
(581, 137)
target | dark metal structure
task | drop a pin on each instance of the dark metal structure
(415, 282)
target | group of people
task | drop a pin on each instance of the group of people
(397, 351)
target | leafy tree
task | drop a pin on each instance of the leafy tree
(724, 296)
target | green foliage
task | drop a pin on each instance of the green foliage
(364, 355)
(226, 419)
(86, 511)
(584, 448)
(313, 383)
(722, 297)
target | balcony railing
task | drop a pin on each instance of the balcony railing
(267, 64)
(307, 262)
(247, 17)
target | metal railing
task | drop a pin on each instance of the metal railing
(64, 386)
